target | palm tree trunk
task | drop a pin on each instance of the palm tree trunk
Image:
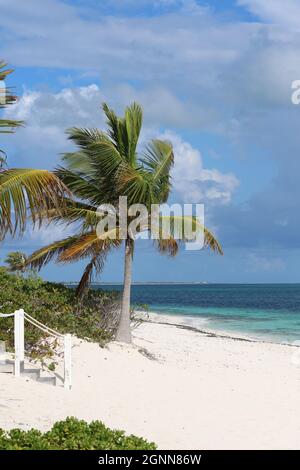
(124, 332)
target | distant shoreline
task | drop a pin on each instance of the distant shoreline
(191, 283)
(141, 283)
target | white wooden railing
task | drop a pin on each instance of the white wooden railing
(19, 319)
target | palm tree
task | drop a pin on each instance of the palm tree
(6, 99)
(16, 261)
(105, 167)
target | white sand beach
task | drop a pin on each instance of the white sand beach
(179, 388)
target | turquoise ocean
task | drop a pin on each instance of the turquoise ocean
(261, 311)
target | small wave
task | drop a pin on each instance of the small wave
(185, 320)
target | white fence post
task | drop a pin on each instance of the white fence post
(68, 362)
(17, 343)
(21, 339)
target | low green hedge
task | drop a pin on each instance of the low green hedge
(73, 434)
(56, 306)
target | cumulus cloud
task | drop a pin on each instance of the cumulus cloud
(195, 56)
(275, 11)
(183, 44)
(194, 182)
(47, 115)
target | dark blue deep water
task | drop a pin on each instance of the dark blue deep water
(262, 311)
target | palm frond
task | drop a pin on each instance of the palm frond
(83, 137)
(85, 245)
(7, 98)
(79, 162)
(73, 212)
(131, 128)
(124, 132)
(81, 187)
(167, 247)
(106, 157)
(25, 192)
(135, 184)
(4, 71)
(39, 258)
(114, 131)
(158, 159)
(8, 126)
(80, 248)
(211, 242)
(177, 226)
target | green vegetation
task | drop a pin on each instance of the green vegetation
(73, 434)
(92, 318)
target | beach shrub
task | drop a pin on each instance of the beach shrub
(92, 318)
(73, 434)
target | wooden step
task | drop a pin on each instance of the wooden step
(47, 380)
(33, 374)
(7, 367)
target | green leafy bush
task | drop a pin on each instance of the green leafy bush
(56, 306)
(73, 434)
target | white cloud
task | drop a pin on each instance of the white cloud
(205, 70)
(65, 108)
(162, 107)
(47, 115)
(184, 44)
(195, 183)
(275, 11)
(196, 57)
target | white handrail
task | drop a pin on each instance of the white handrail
(19, 316)
(55, 333)
(45, 329)
(19, 341)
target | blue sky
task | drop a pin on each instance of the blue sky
(213, 76)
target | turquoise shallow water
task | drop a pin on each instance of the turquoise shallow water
(262, 311)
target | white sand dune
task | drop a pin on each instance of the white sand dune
(199, 392)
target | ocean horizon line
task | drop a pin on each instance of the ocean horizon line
(115, 283)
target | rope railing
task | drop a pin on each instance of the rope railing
(41, 326)
(19, 317)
